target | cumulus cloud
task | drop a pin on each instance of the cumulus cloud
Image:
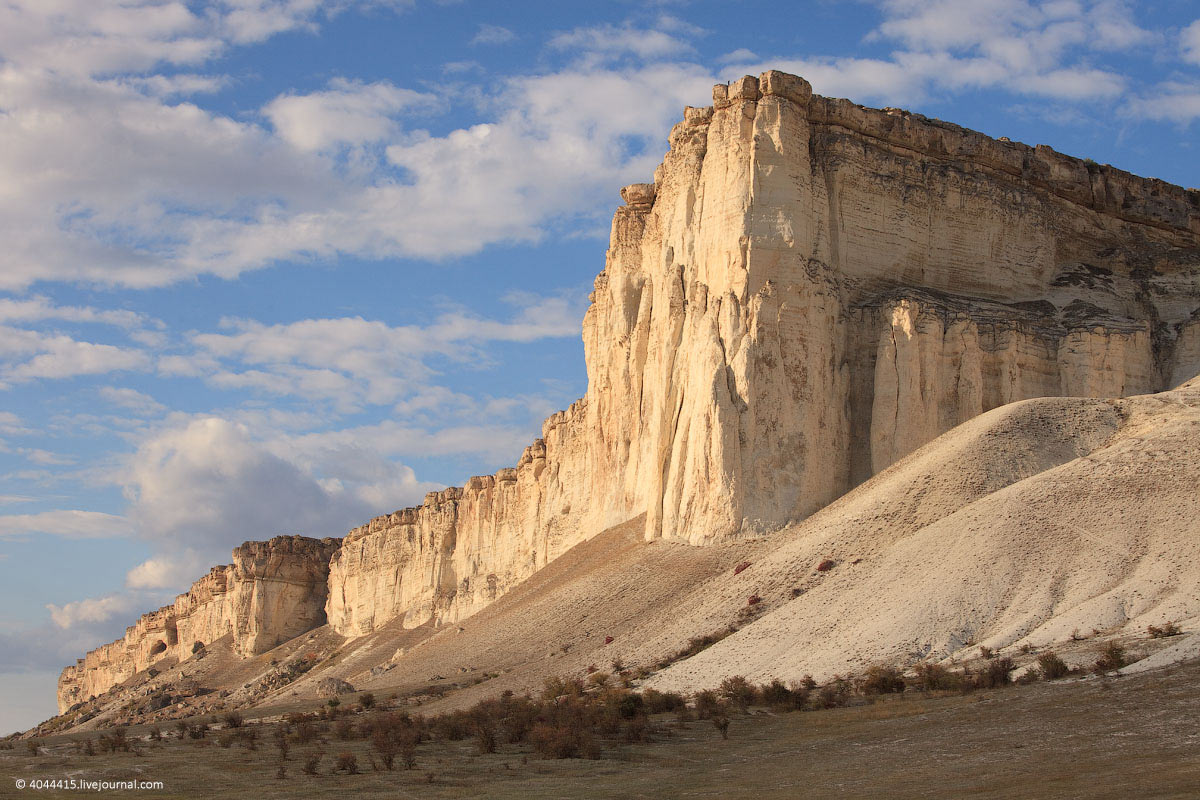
(69, 524)
(211, 485)
(96, 609)
(493, 34)
(1173, 101)
(1189, 42)
(347, 113)
(1039, 49)
(131, 399)
(352, 362)
(619, 40)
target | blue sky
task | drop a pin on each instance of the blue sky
(276, 266)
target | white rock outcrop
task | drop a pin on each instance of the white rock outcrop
(808, 291)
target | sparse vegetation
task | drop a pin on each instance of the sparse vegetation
(1168, 629)
(881, 679)
(695, 645)
(1052, 667)
(1111, 658)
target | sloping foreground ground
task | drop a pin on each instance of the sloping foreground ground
(1132, 736)
(1026, 525)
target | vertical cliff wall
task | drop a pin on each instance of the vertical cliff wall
(808, 291)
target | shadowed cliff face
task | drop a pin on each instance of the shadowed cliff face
(808, 291)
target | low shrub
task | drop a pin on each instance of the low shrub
(312, 761)
(738, 692)
(656, 702)
(834, 694)
(1168, 629)
(367, 701)
(1112, 657)
(346, 762)
(708, 705)
(881, 679)
(741, 567)
(234, 719)
(722, 725)
(935, 678)
(1052, 667)
(826, 565)
(994, 675)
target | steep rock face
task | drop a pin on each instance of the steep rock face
(808, 291)
(272, 591)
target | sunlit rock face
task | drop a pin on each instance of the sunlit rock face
(808, 291)
(273, 591)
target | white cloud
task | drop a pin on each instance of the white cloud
(167, 572)
(1174, 101)
(38, 308)
(354, 362)
(61, 356)
(1189, 43)
(97, 609)
(69, 524)
(210, 485)
(1025, 48)
(348, 113)
(131, 399)
(613, 41)
(493, 34)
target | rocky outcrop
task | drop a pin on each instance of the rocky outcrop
(272, 591)
(808, 291)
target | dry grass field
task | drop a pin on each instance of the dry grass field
(1132, 736)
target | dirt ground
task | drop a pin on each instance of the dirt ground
(1136, 736)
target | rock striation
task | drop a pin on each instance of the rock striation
(273, 591)
(808, 291)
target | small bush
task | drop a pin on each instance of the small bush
(343, 729)
(753, 600)
(367, 701)
(741, 567)
(33, 746)
(1168, 629)
(657, 702)
(826, 565)
(881, 679)
(312, 761)
(834, 694)
(234, 719)
(722, 725)
(305, 730)
(994, 675)
(559, 741)
(1052, 667)
(708, 705)
(935, 677)
(346, 762)
(738, 692)
(1112, 657)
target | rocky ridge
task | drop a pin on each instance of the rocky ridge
(809, 291)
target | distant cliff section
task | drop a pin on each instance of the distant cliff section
(272, 591)
(808, 291)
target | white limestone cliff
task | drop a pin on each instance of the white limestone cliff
(808, 291)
